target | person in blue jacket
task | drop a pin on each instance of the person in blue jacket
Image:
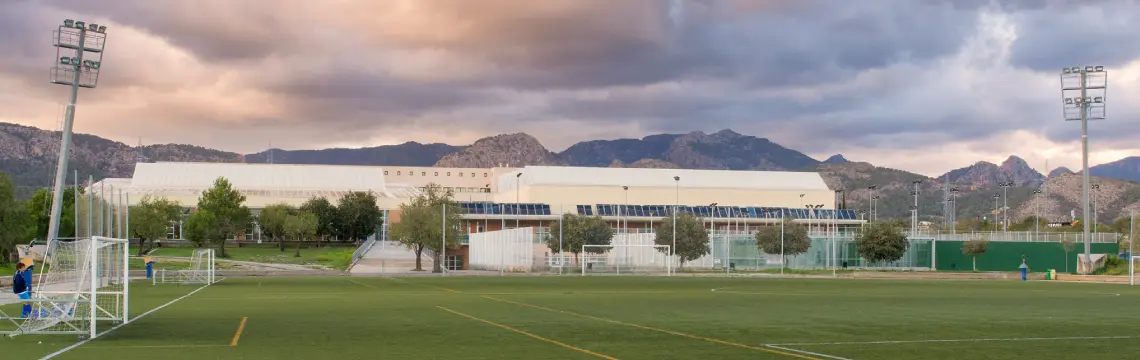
(22, 288)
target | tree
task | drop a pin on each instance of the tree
(14, 221)
(882, 242)
(38, 208)
(150, 219)
(230, 216)
(422, 221)
(199, 228)
(301, 226)
(326, 217)
(578, 231)
(272, 222)
(974, 248)
(793, 241)
(358, 215)
(1067, 244)
(692, 237)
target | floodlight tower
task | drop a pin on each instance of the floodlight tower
(1005, 205)
(914, 217)
(78, 56)
(1083, 92)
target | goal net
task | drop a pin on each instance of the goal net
(82, 282)
(200, 271)
(628, 259)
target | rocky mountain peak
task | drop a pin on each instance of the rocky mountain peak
(514, 150)
(1059, 171)
(1019, 172)
(836, 159)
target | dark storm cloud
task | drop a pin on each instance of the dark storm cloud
(903, 74)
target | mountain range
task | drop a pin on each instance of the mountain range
(29, 155)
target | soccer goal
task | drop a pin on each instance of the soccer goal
(627, 259)
(83, 282)
(201, 270)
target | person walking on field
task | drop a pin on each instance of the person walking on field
(23, 288)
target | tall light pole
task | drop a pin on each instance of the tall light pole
(73, 40)
(518, 178)
(676, 204)
(1037, 214)
(953, 210)
(875, 202)
(1083, 92)
(1005, 205)
(1095, 220)
(625, 220)
(871, 201)
(996, 209)
(914, 217)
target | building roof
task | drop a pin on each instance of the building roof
(639, 177)
(183, 175)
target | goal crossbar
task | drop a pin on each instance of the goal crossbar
(634, 255)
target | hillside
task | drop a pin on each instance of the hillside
(28, 154)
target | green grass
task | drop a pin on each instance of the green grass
(620, 317)
(326, 256)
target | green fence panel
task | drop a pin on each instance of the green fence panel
(1006, 256)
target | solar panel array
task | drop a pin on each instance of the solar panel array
(754, 212)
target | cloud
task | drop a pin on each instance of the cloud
(923, 85)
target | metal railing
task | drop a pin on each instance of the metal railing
(363, 249)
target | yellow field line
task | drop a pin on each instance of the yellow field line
(237, 335)
(643, 327)
(581, 350)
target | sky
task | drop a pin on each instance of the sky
(921, 85)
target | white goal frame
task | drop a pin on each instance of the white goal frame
(203, 270)
(73, 299)
(667, 254)
(1132, 267)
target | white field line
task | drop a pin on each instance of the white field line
(956, 340)
(136, 318)
(807, 352)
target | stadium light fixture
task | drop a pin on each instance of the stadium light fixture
(871, 201)
(1077, 86)
(79, 49)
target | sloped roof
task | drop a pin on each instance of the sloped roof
(639, 177)
(180, 175)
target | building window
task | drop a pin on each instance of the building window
(437, 173)
(472, 174)
(411, 173)
(460, 174)
(397, 173)
(424, 173)
(385, 172)
(484, 174)
(448, 173)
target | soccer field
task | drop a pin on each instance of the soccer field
(614, 318)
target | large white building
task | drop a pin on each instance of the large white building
(527, 196)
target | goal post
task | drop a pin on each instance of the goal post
(1133, 267)
(202, 270)
(630, 259)
(82, 282)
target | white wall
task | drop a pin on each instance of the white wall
(510, 250)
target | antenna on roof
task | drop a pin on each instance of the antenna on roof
(139, 158)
